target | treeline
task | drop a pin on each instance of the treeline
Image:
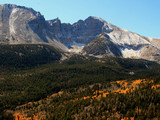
(22, 56)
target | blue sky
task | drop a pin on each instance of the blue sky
(140, 16)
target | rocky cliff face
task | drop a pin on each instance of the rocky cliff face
(79, 32)
(85, 31)
(15, 21)
(93, 36)
(21, 25)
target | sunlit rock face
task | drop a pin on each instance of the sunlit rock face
(21, 25)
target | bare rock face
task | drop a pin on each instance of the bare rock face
(155, 42)
(5, 11)
(150, 53)
(16, 24)
(79, 32)
(102, 46)
(21, 25)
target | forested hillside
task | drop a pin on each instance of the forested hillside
(73, 80)
(22, 56)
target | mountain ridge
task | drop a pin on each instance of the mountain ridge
(22, 25)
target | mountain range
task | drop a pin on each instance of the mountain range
(90, 37)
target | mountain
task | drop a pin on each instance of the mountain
(96, 37)
(21, 25)
(147, 51)
(93, 36)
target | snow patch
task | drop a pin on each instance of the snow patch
(76, 49)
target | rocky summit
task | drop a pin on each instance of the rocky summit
(93, 36)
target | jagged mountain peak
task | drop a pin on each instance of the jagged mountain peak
(21, 20)
(22, 25)
(54, 21)
(95, 18)
(13, 6)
